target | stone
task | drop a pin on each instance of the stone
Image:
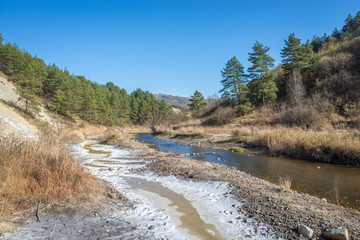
(152, 227)
(337, 234)
(305, 231)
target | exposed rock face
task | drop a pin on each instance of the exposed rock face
(337, 234)
(305, 231)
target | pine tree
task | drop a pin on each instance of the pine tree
(262, 85)
(197, 104)
(350, 25)
(235, 85)
(296, 56)
(28, 84)
(336, 34)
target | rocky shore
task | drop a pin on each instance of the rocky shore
(283, 211)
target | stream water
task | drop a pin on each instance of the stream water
(338, 184)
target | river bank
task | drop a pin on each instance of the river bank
(262, 201)
(225, 203)
(327, 145)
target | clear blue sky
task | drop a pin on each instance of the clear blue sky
(170, 46)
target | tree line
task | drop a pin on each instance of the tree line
(75, 96)
(327, 66)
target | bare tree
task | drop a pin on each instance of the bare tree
(295, 89)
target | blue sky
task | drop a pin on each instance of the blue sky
(172, 47)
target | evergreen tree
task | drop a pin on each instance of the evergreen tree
(336, 34)
(234, 85)
(316, 43)
(197, 104)
(350, 25)
(134, 106)
(296, 56)
(29, 85)
(262, 85)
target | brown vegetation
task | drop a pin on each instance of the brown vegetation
(79, 134)
(220, 117)
(285, 183)
(309, 132)
(42, 170)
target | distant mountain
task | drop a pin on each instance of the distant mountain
(174, 100)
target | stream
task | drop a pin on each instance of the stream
(338, 184)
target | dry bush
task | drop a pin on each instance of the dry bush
(114, 135)
(304, 115)
(220, 117)
(331, 64)
(285, 183)
(39, 170)
(92, 130)
(261, 116)
(79, 134)
(72, 136)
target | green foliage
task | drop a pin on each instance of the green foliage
(75, 96)
(296, 56)
(197, 105)
(236, 149)
(262, 85)
(235, 85)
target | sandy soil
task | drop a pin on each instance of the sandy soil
(13, 119)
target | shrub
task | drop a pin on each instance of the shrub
(39, 170)
(301, 115)
(221, 116)
(285, 183)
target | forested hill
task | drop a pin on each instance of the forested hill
(75, 96)
(317, 77)
(176, 101)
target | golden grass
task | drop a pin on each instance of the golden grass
(79, 134)
(323, 145)
(39, 170)
(327, 144)
(285, 183)
(114, 135)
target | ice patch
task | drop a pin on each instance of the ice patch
(211, 199)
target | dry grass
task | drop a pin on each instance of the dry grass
(115, 135)
(79, 134)
(285, 183)
(325, 145)
(39, 170)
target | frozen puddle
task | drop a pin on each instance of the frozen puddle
(167, 207)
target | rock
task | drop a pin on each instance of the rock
(337, 234)
(324, 199)
(152, 227)
(305, 231)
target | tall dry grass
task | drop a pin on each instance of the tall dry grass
(39, 170)
(327, 145)
(79, 134)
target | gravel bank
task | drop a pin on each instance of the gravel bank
(283, 211)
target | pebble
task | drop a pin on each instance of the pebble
(152, 227)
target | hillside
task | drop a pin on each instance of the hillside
(176, 101)
(12, 119)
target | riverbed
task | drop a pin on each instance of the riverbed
(335, 183)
